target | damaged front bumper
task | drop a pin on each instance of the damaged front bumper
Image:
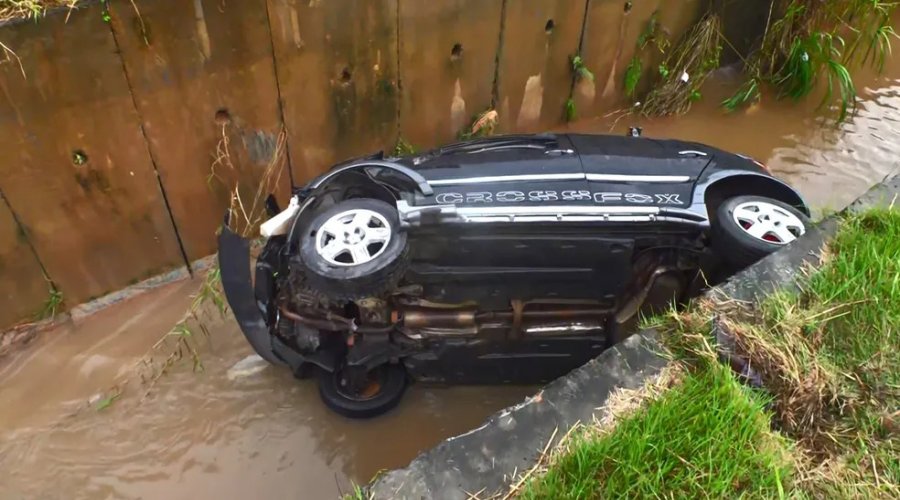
(234, 264)
(253, 302)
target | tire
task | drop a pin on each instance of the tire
(391, 384)
(735, 238)
(347, 275)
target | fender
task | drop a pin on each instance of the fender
(417, 178)
(698, 204)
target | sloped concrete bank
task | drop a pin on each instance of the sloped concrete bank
(487, 458)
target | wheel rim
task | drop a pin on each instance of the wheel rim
(768, 222)
(353, 237)
(372, 388)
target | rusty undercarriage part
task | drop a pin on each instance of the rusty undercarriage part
(421, 317)
(634, 303)
(333, 322)
(532, 318)
(547, 319)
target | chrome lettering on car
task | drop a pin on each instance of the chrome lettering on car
(510, 196)
(638, 198)
(449, 198)
(668, 199)
(486, 197)
(576, 195)
(483, 197)
(607, 197)
(542, 196)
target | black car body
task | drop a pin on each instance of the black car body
(504, 259)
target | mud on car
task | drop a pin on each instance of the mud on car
(509, 259)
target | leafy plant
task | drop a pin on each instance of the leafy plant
(581, 70)
(107, 401)
(571, 111)
(663, 71)
(54, 302)
(685, 70)
(749, 92)
(403, 148)
(633, 75)
(653, 33)
(483, 125)
(806, 42)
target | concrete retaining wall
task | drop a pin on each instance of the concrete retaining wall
(112, 115)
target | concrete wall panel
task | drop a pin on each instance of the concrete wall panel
(448, 51)
(337, 70)
(23, 289)
(539, 39)
(74, 164)
(195, 67)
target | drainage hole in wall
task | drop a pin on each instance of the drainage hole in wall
(79, 157)
(223, 116)
(456, 51)
(548, 28)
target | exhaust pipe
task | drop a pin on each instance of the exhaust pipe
(425, 318)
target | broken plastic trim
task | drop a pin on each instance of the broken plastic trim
(234, 264)
(414, 176)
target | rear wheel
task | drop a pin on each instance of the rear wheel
(747, 228)
(365, 396)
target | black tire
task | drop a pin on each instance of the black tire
(391, 384)
(735, 245)
(350, 282)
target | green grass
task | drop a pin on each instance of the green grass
(864, 278)
(707, 438)
(829, 358)
(31, 9)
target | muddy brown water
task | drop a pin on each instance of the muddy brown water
(262, 434)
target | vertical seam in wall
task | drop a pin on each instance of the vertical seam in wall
(287, 143)
(399, 79)
(584, 18)
(24, 231)
(159, 182)
(495, 86)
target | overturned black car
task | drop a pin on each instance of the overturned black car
(509, 259)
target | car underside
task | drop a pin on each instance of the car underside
(388, 269)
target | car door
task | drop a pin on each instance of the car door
(632, 171)
(508, 171)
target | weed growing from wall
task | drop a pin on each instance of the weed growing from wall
(54, 302)
(403, 148)
(483, 125)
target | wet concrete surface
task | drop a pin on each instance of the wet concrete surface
(259, 433)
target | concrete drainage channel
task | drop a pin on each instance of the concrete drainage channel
(487, 458)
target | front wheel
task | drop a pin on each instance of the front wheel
(354, 249)
(747, 228)
(373, 394)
